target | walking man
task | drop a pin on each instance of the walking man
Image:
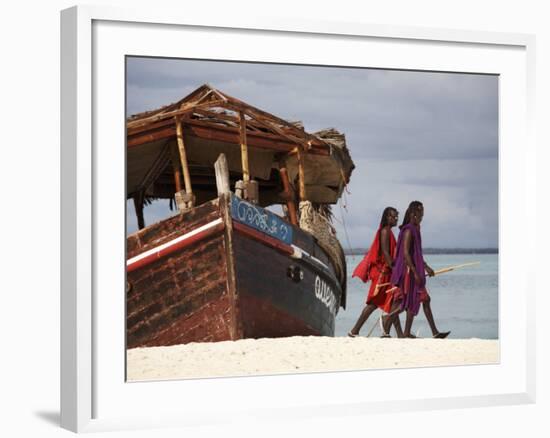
(376, 266)
(408, 279)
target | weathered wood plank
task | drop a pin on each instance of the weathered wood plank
(168, 229)
(225, 210)
(222, 175)
(176, 299)
(244, 147)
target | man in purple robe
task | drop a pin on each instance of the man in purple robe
(408, 278)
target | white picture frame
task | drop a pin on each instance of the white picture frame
(92, 390)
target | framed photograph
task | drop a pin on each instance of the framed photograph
(224, 185)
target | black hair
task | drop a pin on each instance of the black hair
(413, 208)
(385, 213)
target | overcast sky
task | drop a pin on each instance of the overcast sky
(424, 136)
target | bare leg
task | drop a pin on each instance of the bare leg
(397, 327)
(408, 325)
(367, 311)
(429, 316)
(389, 319)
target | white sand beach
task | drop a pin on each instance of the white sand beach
(303, 355)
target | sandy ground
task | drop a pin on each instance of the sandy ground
(302, 355)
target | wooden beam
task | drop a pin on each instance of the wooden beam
(301, 174)
(259, 115)
(138, 205)
(183, 159)
(171, 114)
(150, 137)
(244, 147)
(268, 124)
(210, 180)
(212, 131)
(156, 169)
(149, 127)
(233, 119)
(225, 101)
(236, 328)
(170, 122)
(176, 166)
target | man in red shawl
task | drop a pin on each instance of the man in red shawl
(376, 266)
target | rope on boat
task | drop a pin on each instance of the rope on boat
(345, 229)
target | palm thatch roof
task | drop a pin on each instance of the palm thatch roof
(211, 125)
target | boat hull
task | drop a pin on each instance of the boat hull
(272, 304)
(213, 274)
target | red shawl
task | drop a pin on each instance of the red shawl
(373, 257)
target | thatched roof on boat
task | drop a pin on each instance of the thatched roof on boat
(211, 125)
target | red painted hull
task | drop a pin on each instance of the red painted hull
(230, 282)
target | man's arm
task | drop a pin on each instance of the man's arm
(385, 246)
(429, 270)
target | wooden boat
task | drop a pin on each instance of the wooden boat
(225, 267)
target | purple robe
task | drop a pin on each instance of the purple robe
(411, 300)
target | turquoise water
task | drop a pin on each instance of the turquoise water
(464, 301)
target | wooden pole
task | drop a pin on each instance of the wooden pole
(183, 159)
(222, 175)
(439, 271)
(291, 206)
(244, 147)
(301, 174)
(138, 205)
(452, 268)
(176, 167)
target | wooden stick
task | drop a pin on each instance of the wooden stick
(439, 271)
(378, 286)
(291, 206)
(452, 268)
(374, 326)
(183, 158)
(244, 147)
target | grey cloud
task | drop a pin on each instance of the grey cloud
(413, 135)
(460, 198)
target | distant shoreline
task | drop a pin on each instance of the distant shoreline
(361, 251)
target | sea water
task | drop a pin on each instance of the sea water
(464, 301)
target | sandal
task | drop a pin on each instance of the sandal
(353, 335)
(441, 335)
(385, 335)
